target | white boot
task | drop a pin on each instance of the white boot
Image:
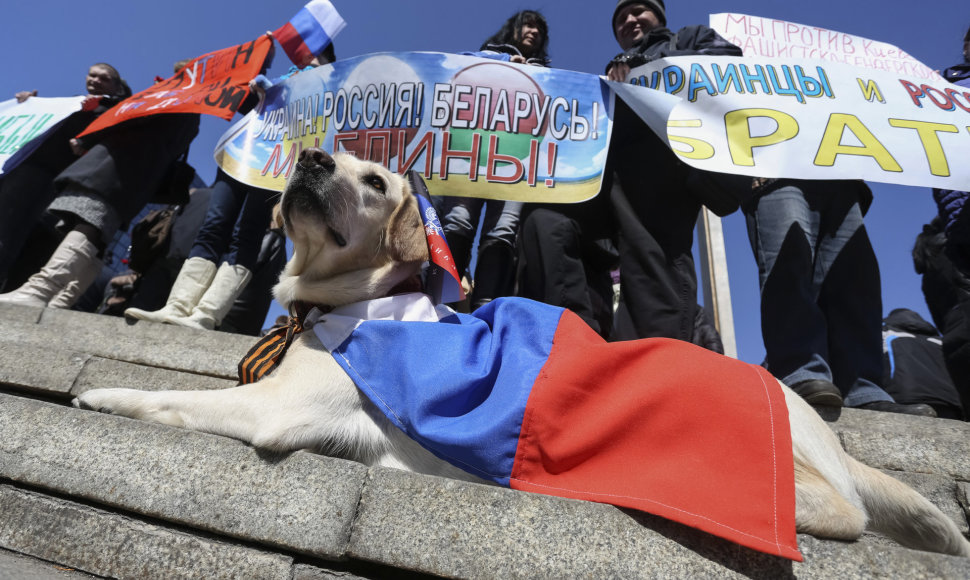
(193, 280)
(72, 292)
(218, 299)
(70, 270)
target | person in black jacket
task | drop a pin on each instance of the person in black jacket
(949, 273)
(98, 193)
(646, 209)
(27, 189)
(913, 367)
(654, 207)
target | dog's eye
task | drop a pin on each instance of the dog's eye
(377, 182)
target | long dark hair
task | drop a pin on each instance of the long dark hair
(507, 34)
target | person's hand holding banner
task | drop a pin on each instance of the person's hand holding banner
(25, 124)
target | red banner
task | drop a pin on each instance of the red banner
(213, 84)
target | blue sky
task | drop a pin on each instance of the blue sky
(51, 44)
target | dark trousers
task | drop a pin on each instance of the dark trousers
(645, 210)
(234, 224)
(654, 213)
(658, 285)
(562, 265)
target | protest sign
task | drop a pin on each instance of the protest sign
(24, 125)
(808, 119)
(212, 84)
(773, 38)
(467, 124)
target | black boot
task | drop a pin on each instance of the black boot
(494, 274)
(461, 251)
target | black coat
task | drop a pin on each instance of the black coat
(124, 169)
(688, 41)
(913, 366)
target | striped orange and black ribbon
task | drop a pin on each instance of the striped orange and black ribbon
(268, 352)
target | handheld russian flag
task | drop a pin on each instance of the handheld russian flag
(310, 31)
(442, 281)
(526, 395)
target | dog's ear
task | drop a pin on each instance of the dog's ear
(406, 240)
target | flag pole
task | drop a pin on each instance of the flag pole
(714, 278)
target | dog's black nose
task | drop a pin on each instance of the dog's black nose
(314, 156)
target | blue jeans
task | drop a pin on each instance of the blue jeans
(461, 215)
(234, 224)
(821, 301)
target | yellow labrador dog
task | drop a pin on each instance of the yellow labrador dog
(357, 233)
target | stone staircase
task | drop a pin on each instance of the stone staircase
(87, 495)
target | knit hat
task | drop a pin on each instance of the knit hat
(656, 5)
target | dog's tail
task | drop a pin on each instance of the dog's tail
(898, 511)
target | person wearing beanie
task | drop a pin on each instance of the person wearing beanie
(656, 7)
(655, 197)
(640, 28)
(642, 220)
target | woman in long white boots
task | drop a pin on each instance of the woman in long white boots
(98, 193)
(28, 188)
(69, 271)
(203, 294)
(235, 222)
(104, 188)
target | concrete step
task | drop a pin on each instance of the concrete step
(115, 497)
(303, 502)
(144, 343)
(109, 544)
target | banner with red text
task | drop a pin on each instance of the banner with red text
(473, 127)
(212, 84)
(773, 38)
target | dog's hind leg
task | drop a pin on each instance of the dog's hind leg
(901, 513)
(826, 502)
(822, 511)
(830, 484)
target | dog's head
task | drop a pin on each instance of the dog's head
(355, 227)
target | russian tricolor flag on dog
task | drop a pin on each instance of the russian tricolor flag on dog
(310, 31)
(526, 395)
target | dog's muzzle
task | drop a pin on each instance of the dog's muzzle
(308, 189)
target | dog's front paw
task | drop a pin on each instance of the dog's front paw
(126, 402)
(102, 400)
